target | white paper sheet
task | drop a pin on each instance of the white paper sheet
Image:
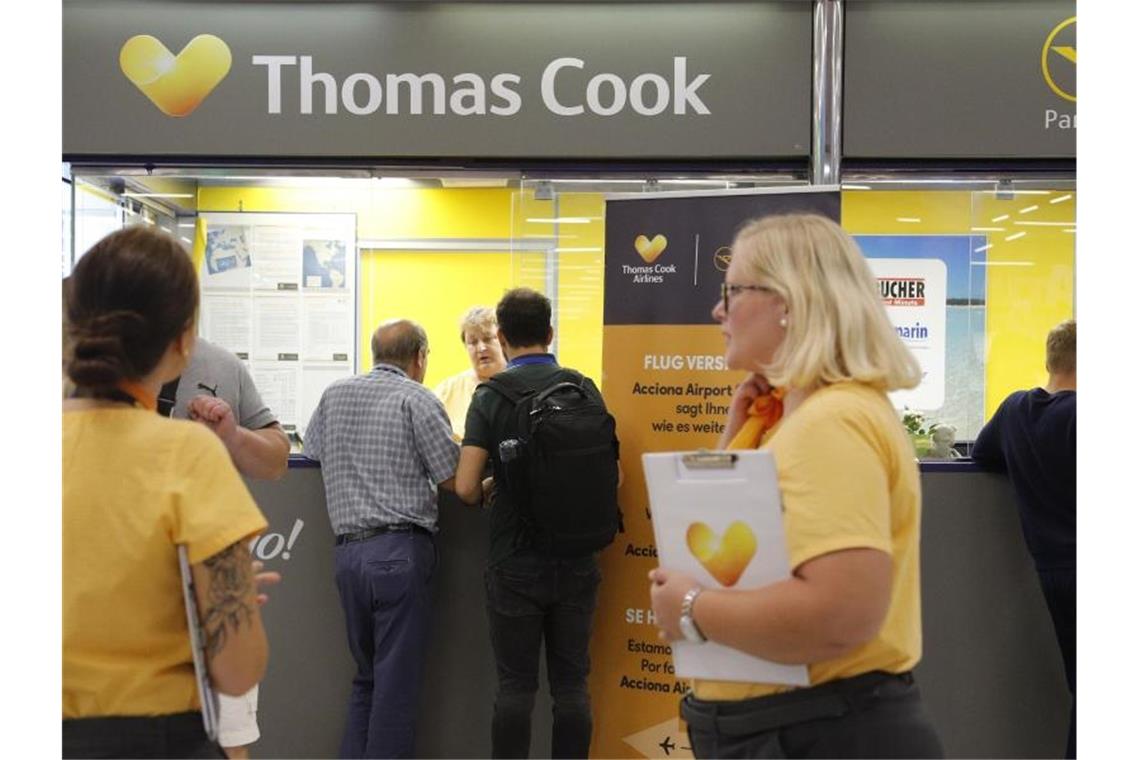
(227, 321)
(277, 327)
(326, 328)
(277, 258)
(279, 383)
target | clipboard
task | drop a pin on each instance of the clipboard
(717, 516)
(206, 694)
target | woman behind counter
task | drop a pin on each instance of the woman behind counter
(800, 312)
(135, 485)
(479, 331)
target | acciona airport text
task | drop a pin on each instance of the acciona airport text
(568, 88)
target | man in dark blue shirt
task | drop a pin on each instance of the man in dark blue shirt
(534, 599)
(1033, 437)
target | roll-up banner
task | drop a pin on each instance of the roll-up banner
(666, 383)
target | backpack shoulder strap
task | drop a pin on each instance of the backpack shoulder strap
(508, 387)
(560, 386)
(572, 375)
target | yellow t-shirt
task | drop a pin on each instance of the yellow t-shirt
(135, 485)
(848, 479)
(455, 392)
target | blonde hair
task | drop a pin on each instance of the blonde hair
(478, 316)
(1061, 348)
(837, 327)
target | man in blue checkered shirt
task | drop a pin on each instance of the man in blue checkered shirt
(385, 447)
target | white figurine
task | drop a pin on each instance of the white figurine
(942, 438)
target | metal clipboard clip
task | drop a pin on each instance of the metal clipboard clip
(709, 460)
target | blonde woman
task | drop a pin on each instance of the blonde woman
(479, 332)
(800, 312)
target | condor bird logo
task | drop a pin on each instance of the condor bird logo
(1059, 59)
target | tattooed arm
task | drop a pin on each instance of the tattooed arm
(236, 649)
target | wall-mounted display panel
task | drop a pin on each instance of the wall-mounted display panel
(279, 290)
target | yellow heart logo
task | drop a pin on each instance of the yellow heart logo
(176, 84)
(724, 558)
(648, 249)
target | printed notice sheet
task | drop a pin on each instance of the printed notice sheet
(277, 326)
(716, 517)
(226, 321)
(327, 328)
(277, 260)
(279, 385)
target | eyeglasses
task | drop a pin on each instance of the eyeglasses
(726, 290)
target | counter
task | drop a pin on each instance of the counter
(991, 674)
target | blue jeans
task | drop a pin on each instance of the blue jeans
(383, 585)
(532, 599)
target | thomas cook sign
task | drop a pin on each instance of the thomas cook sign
(505, 80)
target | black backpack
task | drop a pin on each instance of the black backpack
(561, 466)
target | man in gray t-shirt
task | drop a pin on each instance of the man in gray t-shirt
(216, 389)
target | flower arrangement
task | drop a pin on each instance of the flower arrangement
(915, 423)
(930, 439)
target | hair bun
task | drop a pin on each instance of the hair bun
(99, 357)
(97, 362)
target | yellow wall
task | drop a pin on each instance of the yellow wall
(445, 286)
(1029, 280)
(1028, 293)
(381, 212)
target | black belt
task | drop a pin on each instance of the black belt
(758, 714)
(345, 538)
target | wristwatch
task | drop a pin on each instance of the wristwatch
(689, 627)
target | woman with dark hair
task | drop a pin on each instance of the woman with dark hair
(801, 314)
(135, 486)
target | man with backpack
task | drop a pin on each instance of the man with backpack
(553, 449)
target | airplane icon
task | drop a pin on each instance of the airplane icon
(667, 745)
(1068, 52)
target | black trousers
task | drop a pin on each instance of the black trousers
(178, 735)
(874, 715)
(1060, 589)
(534, 602)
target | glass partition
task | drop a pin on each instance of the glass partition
(973, 274)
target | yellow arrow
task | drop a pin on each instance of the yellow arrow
(1068, 52)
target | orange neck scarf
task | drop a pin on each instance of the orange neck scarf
(141, 395)
(763, 415)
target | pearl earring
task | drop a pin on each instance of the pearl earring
(783, 321)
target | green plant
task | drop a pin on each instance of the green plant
(915, 423)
